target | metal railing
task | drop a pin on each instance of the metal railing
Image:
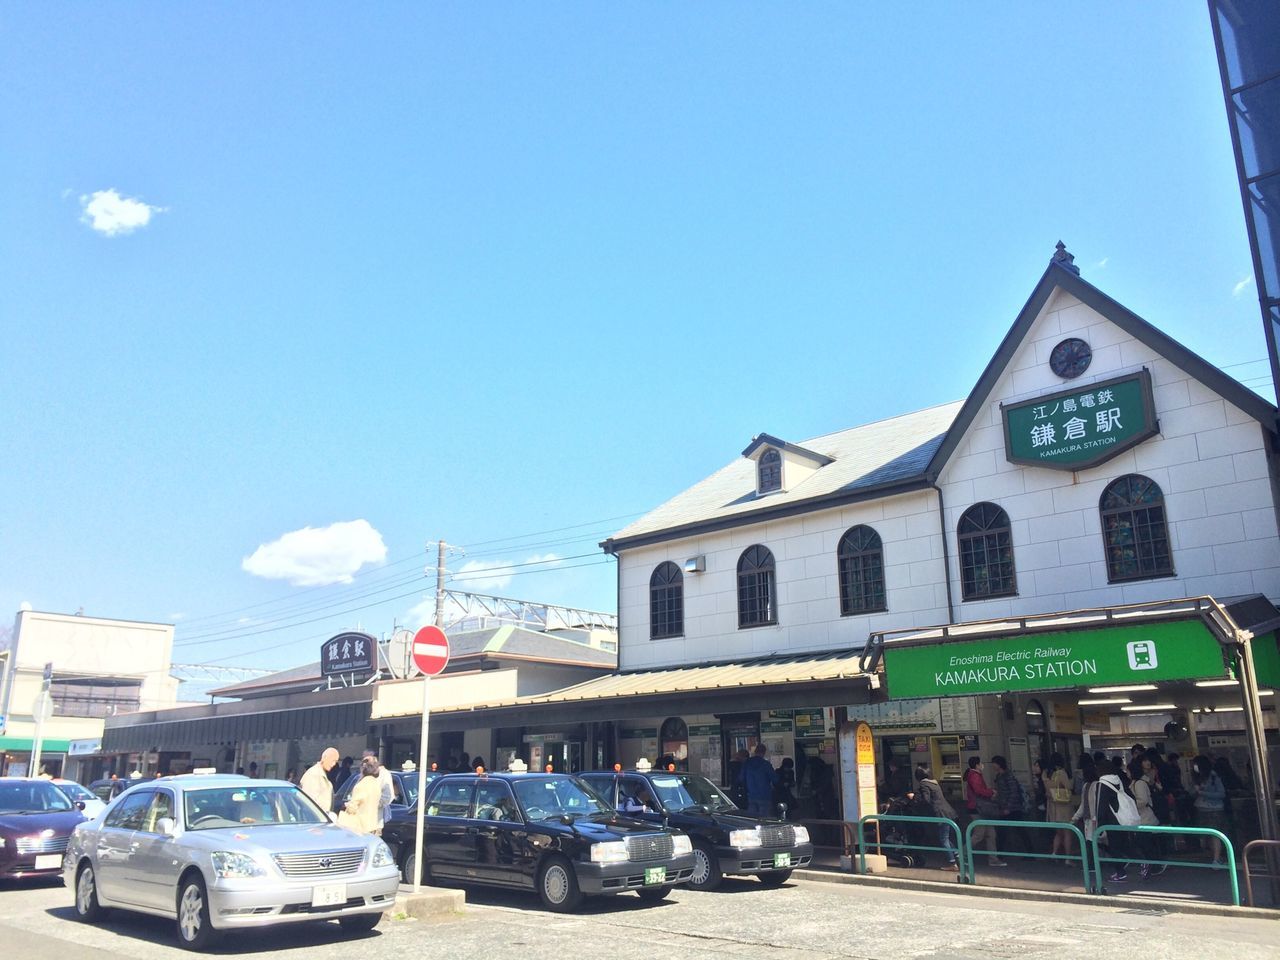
(880, 842)
(1137, 856)
(1273, 848)
(968, 855)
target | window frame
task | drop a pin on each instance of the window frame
(672, 594)
(760, 574)
(985, 535)
(861, 555)
(1132, 509)
(115, 819)
(773, 483)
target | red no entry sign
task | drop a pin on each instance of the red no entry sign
(430, 650)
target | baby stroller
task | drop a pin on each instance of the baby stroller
(895, 831)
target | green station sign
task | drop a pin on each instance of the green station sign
(1080, 428)
(1139, 653)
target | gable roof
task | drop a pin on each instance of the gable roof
(1058, 276)
(873, 460)
(769, 440)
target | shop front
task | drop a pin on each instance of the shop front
(1192, 677)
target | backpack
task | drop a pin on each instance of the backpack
(1126, 809)
(1020, 801)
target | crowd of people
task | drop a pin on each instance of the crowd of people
(369, 804)
(1146, 788)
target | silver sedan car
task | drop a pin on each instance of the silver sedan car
(220, 852)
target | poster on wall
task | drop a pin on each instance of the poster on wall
(959, 714)
(778, 739)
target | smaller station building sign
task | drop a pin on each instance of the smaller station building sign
(1082, 427)
(1141, 653)
(348, 654)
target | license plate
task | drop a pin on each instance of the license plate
(782, 859)
(49, 861)
(655, 875)
(329, 895)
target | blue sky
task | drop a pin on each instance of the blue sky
(482, 272)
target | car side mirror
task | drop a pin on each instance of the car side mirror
(165, 826)
(80, 805)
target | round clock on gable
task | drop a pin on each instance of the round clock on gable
(1070, 358)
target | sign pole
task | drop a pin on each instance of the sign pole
(430, 656)
(42, 709)
(422, 783)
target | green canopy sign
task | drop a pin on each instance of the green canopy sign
(1141, 653)
(1080, 428)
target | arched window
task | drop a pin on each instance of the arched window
(860, 558)
(666, 602)
(770, 471)
(757, 591)
(674, 737)
(986, 553)
(1135, 533)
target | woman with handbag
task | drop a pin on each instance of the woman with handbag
(981, 803)
(1057, 789)
(361, 812)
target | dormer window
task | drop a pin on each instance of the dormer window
(769, 471)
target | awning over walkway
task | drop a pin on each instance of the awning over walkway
(24, 745)
(331, 713)
(763, 683)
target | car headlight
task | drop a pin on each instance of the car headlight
(681, 845)
(230, 865)
(614, 851)
(382, 856)
(744, 838)
(802, 834)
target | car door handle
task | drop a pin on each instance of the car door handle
(488, 831)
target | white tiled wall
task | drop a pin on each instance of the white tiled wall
(1209, 459)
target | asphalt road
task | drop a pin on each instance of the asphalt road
(804, 919)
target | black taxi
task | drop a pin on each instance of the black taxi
(545, 832)
(725, 839)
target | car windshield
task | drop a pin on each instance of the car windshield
(680, 791)
(75, 791)
(32, 796)
(222, 807)
(549, 797)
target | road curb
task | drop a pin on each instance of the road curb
(432, 904)
(1041, 896)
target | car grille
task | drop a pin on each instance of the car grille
(777, 836)
(330, 863)
(32, 845)
(649, 846)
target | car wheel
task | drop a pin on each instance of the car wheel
(775, 878)
(706, 868)
(88, 908)
(195, 932)
(558, 885)
(653, 893)
(409, 868)
(360, 922)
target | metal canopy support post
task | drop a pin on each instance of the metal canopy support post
(1257, 735)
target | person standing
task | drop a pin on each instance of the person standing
(361, 811)
(759, 777)
(1209, 800)
(1143, 790)
(339, 775)
(929, 794)
(784, 791)
(980, 801)
(387, 790)
(1057, 789)
(1012, 801)
(315, 782)
(738, 789)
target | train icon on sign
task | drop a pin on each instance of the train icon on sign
(1142, 655)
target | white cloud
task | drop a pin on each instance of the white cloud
(313, 557)
(1242, 286)
(113, 215)
(1102, 264)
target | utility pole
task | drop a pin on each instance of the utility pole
(439, 621)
